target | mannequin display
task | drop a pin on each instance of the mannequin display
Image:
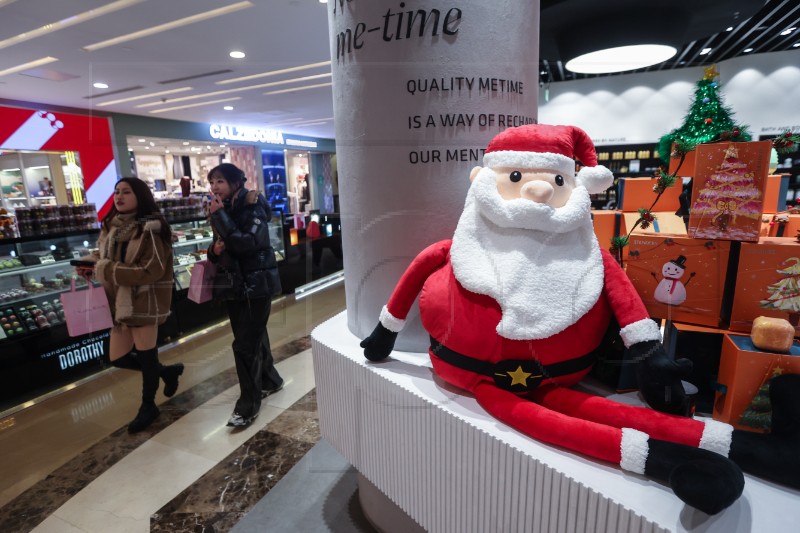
(186, 186)
(301, 189)
(518, 302)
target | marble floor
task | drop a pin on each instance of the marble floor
(69, 465)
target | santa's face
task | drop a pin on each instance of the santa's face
(671, 270)
(542, 186)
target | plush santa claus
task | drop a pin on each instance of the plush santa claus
(517, 303)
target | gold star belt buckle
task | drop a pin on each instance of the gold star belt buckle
(517, 375)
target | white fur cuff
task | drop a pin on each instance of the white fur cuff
(390, 322)
(640, 331)
(717, 437)
(634, 450)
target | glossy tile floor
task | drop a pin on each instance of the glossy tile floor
(68, 464)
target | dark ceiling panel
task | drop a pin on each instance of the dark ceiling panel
(761, 31)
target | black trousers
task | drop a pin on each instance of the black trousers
(251, 352)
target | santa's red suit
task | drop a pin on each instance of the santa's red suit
(462, 328)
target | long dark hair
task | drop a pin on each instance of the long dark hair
(146, 209)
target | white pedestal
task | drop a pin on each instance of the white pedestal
(452, 467)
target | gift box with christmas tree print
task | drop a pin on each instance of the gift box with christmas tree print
(728, 190)
(742, 397)
(767, 283)
(679, 278)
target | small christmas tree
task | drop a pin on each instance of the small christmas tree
(784, 295)
(729, 193)
(708, 120)
(758, 414)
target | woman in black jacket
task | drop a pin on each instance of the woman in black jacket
(247, 277)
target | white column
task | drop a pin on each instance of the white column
(419, 87)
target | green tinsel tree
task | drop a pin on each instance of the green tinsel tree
(708, 120)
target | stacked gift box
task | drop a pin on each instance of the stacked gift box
(708, 280)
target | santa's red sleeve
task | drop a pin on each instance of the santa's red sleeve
(631, 314)
(394, 313)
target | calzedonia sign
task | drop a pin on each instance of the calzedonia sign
(251, 134)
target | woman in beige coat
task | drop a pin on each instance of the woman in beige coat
(133, 262)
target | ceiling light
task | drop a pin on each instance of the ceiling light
(274, 72)
(67, 22)
(787, 31)
(142, 140)
(186, 143)
(195, 105)
(795, 45)
(747, 50)
(166, 151)
(237, 55)
(228, 108)
(323, 1)
(729, 28)
(621, 58)
(142, 96)
(27, 66)
(705, 51)
(222, 146)
(169, 26)
(100, 85)
(240, 89)
(152, 143)
(146, 147)
(300, 88)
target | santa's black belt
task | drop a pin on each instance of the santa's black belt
(515, 375)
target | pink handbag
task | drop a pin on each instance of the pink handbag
(86, 311)
(201, 284)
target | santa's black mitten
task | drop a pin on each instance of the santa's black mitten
(660, 377)
(379, 344)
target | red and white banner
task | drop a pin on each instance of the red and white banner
(27, 129)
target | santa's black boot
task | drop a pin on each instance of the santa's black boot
(148, 411)
(702, 479)
(774, 456)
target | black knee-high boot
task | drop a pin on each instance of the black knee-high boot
(169, 373)
(148, 412)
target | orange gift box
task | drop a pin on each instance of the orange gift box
(679, 278)
(728, 190)
(635, 193)
(767, 283)
(780, 225)
(775, 193)
(743, 370)
(607, 225)
(687, 168)
(668, 223)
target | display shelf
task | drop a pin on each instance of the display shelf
(449, 465)
(204, 240)
(31, 296)
(34, 268)
(50, 236)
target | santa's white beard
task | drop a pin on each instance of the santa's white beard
(541, 264)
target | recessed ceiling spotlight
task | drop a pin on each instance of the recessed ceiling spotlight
(729, 28)
(621, 58)
(152, 143)
(228, 108)
(100, 85)
(747, 50)
(705, 51)
(323, 1)
(146, 147)
(787, 31)
(237, 54)
(186, 143)
(166, 151)
(795, 45)
(142, 140)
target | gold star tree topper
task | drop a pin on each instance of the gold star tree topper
(710, 72)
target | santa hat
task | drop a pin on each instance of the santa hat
(550, 147)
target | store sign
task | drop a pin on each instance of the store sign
(241, 133)
(81, 352)
(303, 144)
